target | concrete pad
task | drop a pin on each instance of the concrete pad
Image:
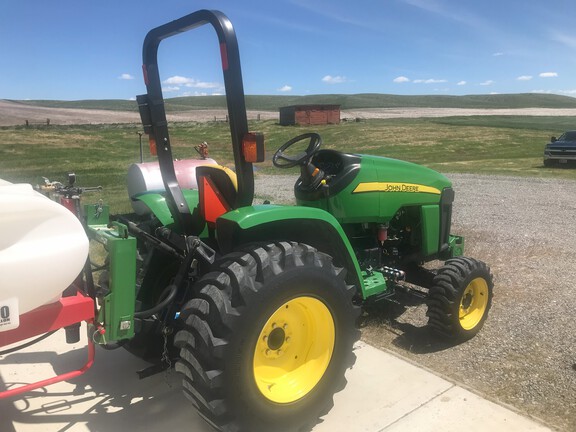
(107, 398)
(381, 389)
(388, 394)
(459, 409)
(384, 393)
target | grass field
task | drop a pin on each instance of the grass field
(101, 154)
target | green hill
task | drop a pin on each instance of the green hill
(355, 101)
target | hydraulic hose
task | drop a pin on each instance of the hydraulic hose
(169, 293)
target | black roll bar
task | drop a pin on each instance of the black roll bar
(158, 125)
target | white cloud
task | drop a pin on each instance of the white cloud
(126, 76)
(451, 11)
(170, 89)
(548, 75)
(205, 85)
(487, 83)
(178, 80)
(561, 92)
(403, 79)
(429, 81)
(564, 38)
(498, 54)
(197, 93)
(334, 79)
(285, 88)
(461, 83)
(524, 78)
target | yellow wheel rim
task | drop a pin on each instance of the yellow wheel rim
(473, 303)
(294, 349)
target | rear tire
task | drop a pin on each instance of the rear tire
(268, 339)
(460, 298)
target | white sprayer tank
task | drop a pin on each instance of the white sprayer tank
(43, 248)
(146, 177)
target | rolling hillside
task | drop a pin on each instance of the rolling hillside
(347, 102)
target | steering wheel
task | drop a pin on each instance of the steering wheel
(282, 160)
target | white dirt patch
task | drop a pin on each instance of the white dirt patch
(374, 113)
(14, 113)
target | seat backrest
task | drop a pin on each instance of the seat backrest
(218, 189)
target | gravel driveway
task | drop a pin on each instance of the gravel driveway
(525, 356)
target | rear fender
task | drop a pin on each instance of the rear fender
(311, 226)
(156, 202)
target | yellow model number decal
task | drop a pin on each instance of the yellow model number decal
(395, 187)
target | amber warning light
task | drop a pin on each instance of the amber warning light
(253, 147)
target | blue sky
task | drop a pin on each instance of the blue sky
(82, 49)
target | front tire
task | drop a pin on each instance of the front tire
(460, 298)
(268, 339)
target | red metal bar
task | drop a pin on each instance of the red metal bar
(65, 312)
(53, 316)
(58, 378)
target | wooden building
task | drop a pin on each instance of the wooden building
(309, 115)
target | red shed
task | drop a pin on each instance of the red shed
(309, 115)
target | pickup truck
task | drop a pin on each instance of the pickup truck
(561, 150)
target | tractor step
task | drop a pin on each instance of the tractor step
(155, 369)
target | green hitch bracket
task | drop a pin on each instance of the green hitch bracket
(117, 304)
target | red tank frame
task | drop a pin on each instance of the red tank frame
(63, 313)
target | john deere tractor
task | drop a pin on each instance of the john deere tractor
(258, 304)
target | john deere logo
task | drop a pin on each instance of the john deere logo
(395, 187)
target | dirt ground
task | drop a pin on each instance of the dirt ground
(14, 113)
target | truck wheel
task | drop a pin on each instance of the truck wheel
(460, 298)
(268, 338)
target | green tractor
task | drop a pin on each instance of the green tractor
(258, 305)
